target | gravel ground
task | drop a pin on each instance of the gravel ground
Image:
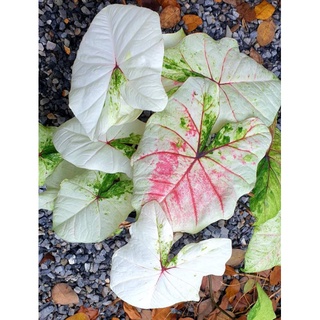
(86, 267)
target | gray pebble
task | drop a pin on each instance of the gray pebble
(72, 259)
(85, 10)
(50, 45)
(46, 311)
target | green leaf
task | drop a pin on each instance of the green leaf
(262, 309)
(90, 206)
(266, 201)
(49, 157)
(264, 249)
(247, 89)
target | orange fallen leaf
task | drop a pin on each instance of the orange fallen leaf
(48, 255)
(131, 311)
(92, 313)
(79, 316)
(67, 50)
(275, 276)
(266, 32)
(246, 12)
(62, 293)
(191, 21)
(145, 314)
(230, 271)
(163, 313)
(204, 308)
(169, 17)
(232, 289)
(236, 258)
(218, 1)
(264, 10)
(166, 3)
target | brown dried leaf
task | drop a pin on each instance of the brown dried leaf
(145, 314)
(92, 313)
(255, 55)
(204, 308)
(266, 31)
(275, 276)
(166, 3)
(236, 258)
(218, 1)
(191, 21)
(51, 116)
(48, 255)
(151, 4)
(246, 12)
(233, 2)
(216, 284)
(62, 293)
(163, 313)
(232, 289)
(67, 50)
(235, 27)
(131, 311)
(230, 271)
(241, 302)
(169, 17)
(264, 10)
(222, 316)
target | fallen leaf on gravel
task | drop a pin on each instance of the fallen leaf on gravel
(46, 257)
(218, 1)
(92, 313)
(232, 289)
(166, 3)
(67, 50)
(235, 27)
(146, 314)
(131, 311)
(51, 116)
(266, 32)
(275, 276)
(233, 2)
(191, 21)
(236, 258)
(264, 10)
(230, 271)
(79, 316)
(163, 313)
(169, 17)
(62, 293)
(204, 308)
(255, 55)
(246, 12)
(151, 4)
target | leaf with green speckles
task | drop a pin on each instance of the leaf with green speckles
(64, 170)
(49, 157)
(247, 89)
(90, 206)
(155, 281)
(110, 154)
(116, 74)
(262, 309)
(264, 249)
(266, 200)
(197, 175)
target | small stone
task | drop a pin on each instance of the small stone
(89, 289)
(46, 311)
(72, 259)
(58, 2)
(64, 261)
(50, 45)
(85, 10)
(105, 291)
(98, 246)
(87, 266)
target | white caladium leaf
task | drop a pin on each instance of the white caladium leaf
(172, 39)
(247, 89)
(90, 206)
(110, 154)
(152, 280)
(117, 71)
(49, 158)
(64, 170)
(264, 250)
(266, 200)
(195, 177)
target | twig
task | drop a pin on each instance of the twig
(214, 302)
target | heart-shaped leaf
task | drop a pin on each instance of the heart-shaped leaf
(110, 154)
(90, 206)
(117, 70)
(266, 201)
(197, 178)
(49, 158)
(264, 249)
(152, 280)
(247, 89)
(64, 170)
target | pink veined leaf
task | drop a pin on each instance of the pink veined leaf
(195, 174)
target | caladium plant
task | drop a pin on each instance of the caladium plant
(201, 150)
